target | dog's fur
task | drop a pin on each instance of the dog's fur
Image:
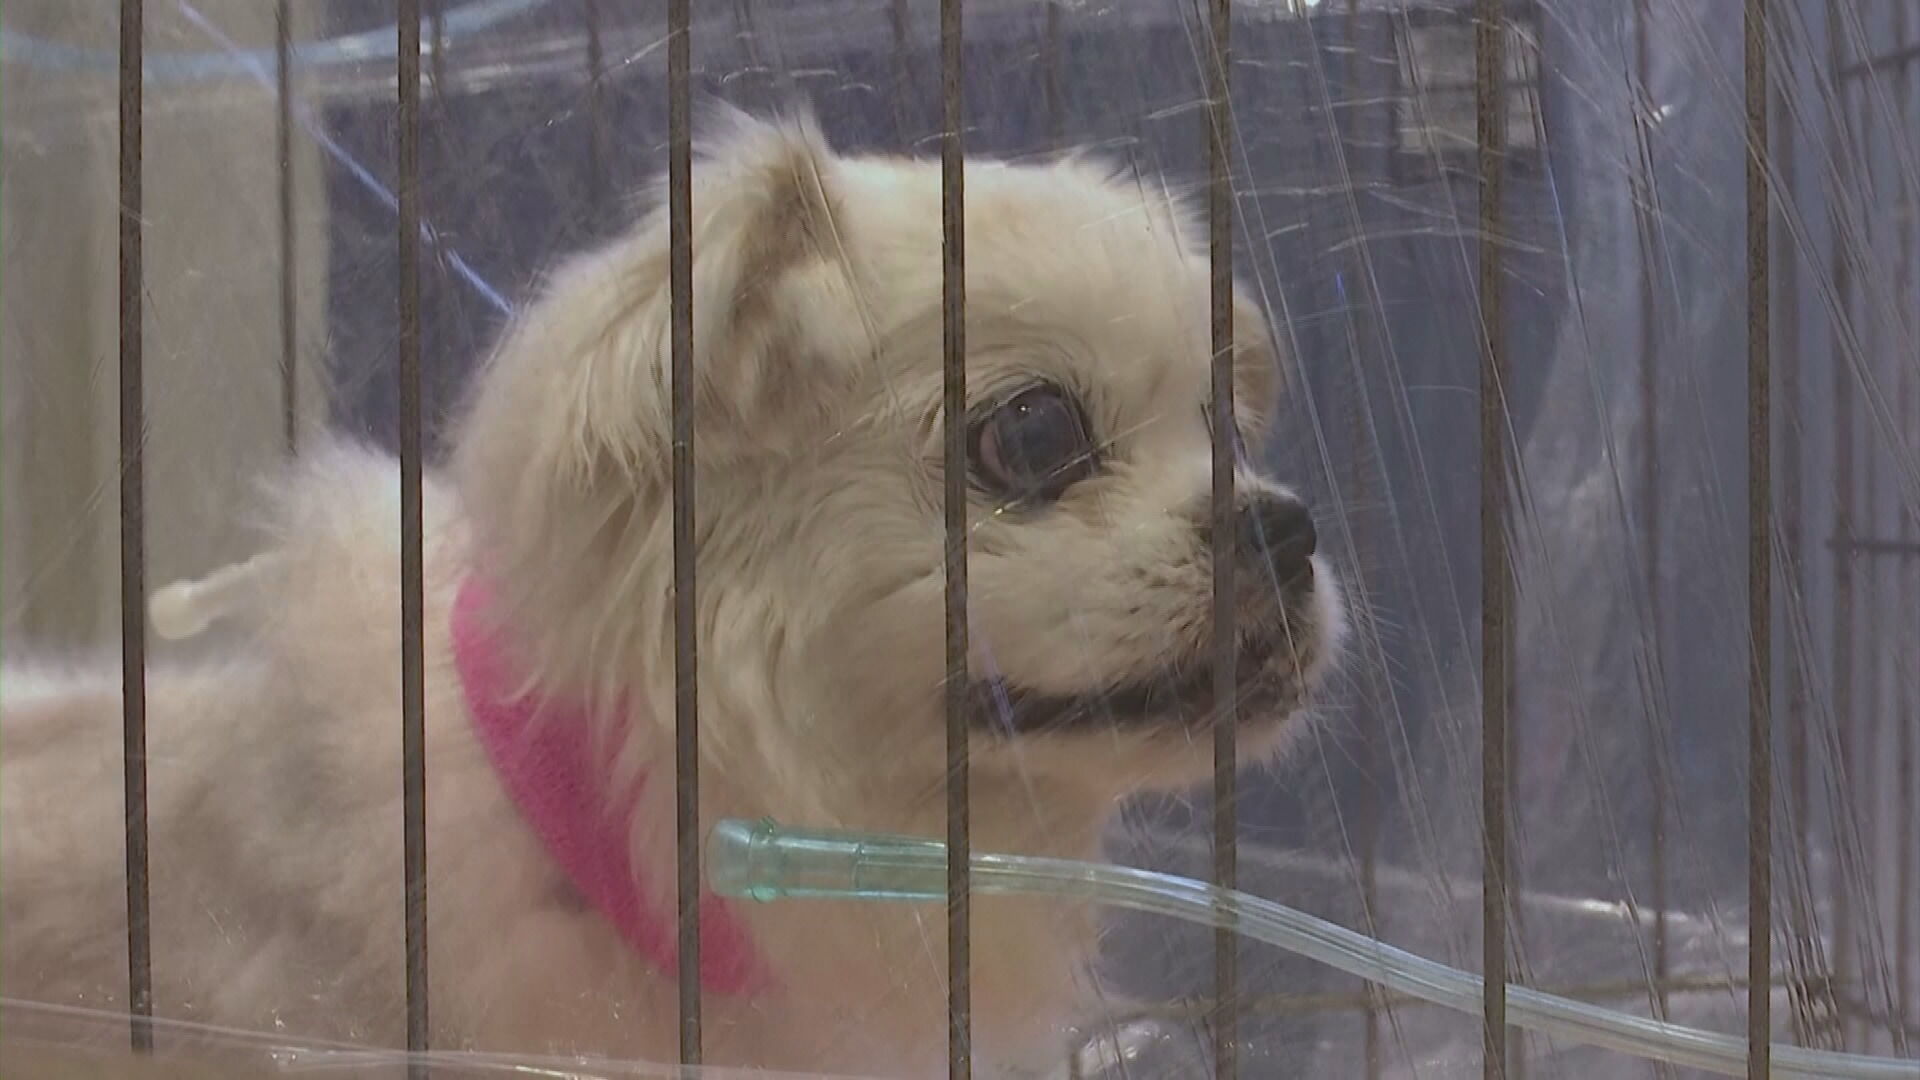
(817, 342)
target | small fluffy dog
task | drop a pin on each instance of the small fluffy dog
(276, 772)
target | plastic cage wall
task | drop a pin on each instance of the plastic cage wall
(1637, 321)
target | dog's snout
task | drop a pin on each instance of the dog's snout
(1279, 529)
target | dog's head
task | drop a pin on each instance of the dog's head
(818, 426)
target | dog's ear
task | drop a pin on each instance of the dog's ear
(580, 387)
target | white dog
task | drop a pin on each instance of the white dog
(276, 774)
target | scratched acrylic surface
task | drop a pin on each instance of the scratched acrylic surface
(1624, 241)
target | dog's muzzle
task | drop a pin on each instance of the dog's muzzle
(1273, 543)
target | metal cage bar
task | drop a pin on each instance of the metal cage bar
(1840, 274)
(1496, 629)
(289, 293)
(412, 569)
(133, 556)
(1759, 553)
(953, 309)
(1650, 517)
(1907, 875)
(1224, 547)
(686, 698)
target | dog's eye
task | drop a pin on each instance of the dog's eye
(1034, 445)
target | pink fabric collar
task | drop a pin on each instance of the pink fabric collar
(541, 751)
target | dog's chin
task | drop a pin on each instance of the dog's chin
(1269, 685)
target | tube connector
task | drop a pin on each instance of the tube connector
(759, 860)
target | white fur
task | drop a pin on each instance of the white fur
(276, 773)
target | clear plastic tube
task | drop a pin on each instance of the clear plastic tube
(763, 861)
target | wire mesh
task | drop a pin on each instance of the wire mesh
(289, 275)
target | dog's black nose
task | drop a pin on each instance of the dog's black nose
(1279, 528)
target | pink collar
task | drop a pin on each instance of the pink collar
(541, 752)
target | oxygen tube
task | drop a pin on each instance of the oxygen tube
(762, 861)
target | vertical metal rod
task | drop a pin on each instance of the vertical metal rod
(1515, 885)
(953, 306)
(1495, 626)
(1840, 272)
(1907, 873)
(1759, 556)
(133, 555)
(1226, 548)
(412, 593)
(1864, 787)
(686, 672)
(1650, 492)
(289, 291)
